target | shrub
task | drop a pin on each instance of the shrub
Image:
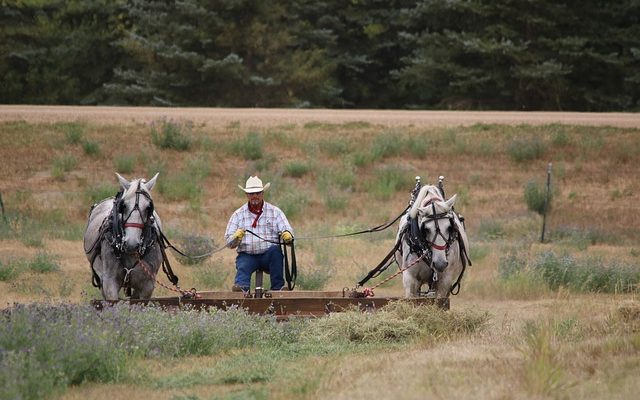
(195, 246)
(511, 264)
(535, 197)
(169, 135)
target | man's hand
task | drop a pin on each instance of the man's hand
(239, 234)
(286, 237)
(236, 238)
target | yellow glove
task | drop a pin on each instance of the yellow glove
(238, 235)
(286, 237)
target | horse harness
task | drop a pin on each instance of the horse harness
(423, 247)
(112, 229)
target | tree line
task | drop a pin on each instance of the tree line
(427, 54)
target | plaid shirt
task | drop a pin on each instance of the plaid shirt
(271, 223)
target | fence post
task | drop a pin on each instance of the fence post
(546, 203)
(4, 217)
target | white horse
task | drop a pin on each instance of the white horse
(433, 245)
(121, 241)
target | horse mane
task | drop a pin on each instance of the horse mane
(133, 187)
(422, 195)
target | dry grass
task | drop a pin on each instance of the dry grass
(523, 354)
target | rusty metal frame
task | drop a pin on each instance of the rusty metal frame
(283, 304)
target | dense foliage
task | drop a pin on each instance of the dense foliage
(460, 54)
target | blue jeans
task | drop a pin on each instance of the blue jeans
(270, 261)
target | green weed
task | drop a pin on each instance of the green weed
(170, 135)
(250, 147)
(124, 163)
(522, 150)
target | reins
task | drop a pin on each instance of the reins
(378, 228)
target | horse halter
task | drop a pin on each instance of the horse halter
(137, 207)
(120, 223)
(435, 217)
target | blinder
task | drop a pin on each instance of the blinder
(119, 223)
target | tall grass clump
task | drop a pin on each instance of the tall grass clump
(250, 147)
(522, 150)
(296, 169)
(389, 180)
(542, 373)
(588, 274)
(387, 144)
(62, 165)
(336, 147)
(491, 229)
(170, 135)
(91, 148)
(124, 163)
(11, 269)
(99, 192)
(73, 132)
(44, 263)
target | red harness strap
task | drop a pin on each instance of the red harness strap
(133, 225)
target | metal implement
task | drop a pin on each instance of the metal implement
(281, 304)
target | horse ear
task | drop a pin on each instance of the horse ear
(451, 201)
(123, 182)
(149, 185)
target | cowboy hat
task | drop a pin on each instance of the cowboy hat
(254, 185)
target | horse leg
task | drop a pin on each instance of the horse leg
(143, 288)
(411, 285)
(110, 288)
(108, 272)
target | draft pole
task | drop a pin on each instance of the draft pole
(546, 202)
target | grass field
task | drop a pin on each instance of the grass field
(559, 319)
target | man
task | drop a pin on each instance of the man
(270, 224)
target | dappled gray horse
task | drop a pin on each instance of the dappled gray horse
(121, 241)
(433, 245)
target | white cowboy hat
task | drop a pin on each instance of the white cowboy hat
(254, 185)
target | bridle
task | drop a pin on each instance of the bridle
(120, 222)
(435, 217)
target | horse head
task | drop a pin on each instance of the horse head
(136, 214)
(435, 218)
